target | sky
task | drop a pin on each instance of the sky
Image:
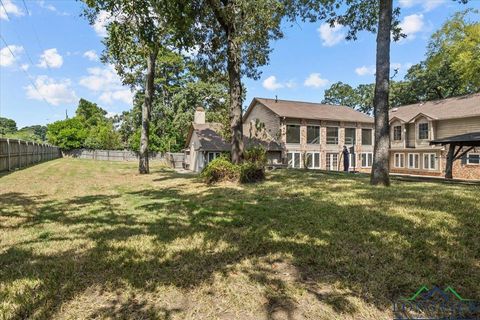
(55, 59)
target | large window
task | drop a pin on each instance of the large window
(212, 155)
(423, 131)
(293, 133)
(313, 160)
(399, 160)
(313, 134)
(473, 158)
(350, 136)
(413, 161)
(429, 161)
(332, 161)
(332, 135)
(397, 133)
(367, 137)
(294, 159)
(367, 159)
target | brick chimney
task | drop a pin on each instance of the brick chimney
(199, 117)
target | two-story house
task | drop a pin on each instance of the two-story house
(412, 127)
(312, 134)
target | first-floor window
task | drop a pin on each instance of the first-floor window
(367, 159)
(212, 155)
(413, 160)
(313, 160)
(332, 161)
(429, 161)
(294, 159)
(352, 160)
(399, 160)
(473, 158)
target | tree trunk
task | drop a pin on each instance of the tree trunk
(381, 163)
(449, 166)
(235, 86)
(143, 165)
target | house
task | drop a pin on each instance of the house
(312, 134)
(413, 127)
(205, 143)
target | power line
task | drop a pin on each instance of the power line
(29, 77)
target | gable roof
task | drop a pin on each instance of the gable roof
(210, 139)
(310, 110)
(451, 108)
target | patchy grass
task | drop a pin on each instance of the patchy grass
(84, 239)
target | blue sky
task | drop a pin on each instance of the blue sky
(56, 62)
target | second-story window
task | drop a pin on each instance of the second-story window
(293, 133)
(367, 137)
(423, 131)
(350, 136)
(397, 133)
(313, 134)
(332, 135)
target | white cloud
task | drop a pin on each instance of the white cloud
(364, 70)
(10, 10)
(6, 57)
(271, 83)
(291, 84)
(314, 80)
(411, 25)
(104, 80)
(52, 8)
(427, 5)
(91, 55)
(25, 66)
(331, 36)
(101, 22)
(54, 92)
(50, 58)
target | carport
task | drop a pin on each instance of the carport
(459, 146)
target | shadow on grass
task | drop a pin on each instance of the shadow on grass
(341, 233)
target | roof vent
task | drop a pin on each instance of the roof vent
(276, 98)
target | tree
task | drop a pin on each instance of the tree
(7, 126)
(67, 134)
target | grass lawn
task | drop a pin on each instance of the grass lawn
(84, 239)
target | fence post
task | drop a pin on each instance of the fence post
(8, 153)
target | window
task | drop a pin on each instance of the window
(367, 137)
(413, 161)
(332, 135)
(473, 158)
(313, 134)
(423, 131)
(313, 160)
(293, 133)
(429, 161)
(367, 159)
(350, 136)
(332, 161)
(397, 133)
(294, 159)
(212, 155)
(399, 160)
(353, 160)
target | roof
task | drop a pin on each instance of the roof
(451, 108)
(311, 110)
(469, 140)
(211, 140)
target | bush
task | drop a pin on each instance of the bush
(251, 172)
(220, 169)
(256, 155)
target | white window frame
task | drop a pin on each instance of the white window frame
(402, 156)
(215, 156)
(428, 131)
(426, 165)
(367, 157)
(418, 162)
(329, 161)
(313, 160)
(319, 134)
(401, 133)
(293, 160)
(371, 137)
(354, 135)
(468, 158)
(352, 157)
(299, 133)
(337, 137)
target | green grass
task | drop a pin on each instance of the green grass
(84, 239)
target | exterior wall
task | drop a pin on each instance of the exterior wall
(452, 127)
(267, 117)
(195, 158)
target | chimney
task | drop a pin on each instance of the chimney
(199, 117)
(276, 98)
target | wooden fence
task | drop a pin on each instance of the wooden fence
(16, 153)
(110, 155)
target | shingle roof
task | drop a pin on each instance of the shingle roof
(316, 111)
(451, 108)
(467, 139)
(211, 140)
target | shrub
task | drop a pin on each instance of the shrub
(251, 172)
(256, 155)
(220, 169)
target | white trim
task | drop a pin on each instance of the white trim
(338, 135)
(468, 158)
(329, 161)
(408, 161)
(319, 134)
(345, 136)
(401, 162)
(293, 160)
(313, 153)
(367, 162)
(429, 155)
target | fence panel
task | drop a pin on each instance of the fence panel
(16, 153)
(110, 155)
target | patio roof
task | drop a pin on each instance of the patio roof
(467, 140)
